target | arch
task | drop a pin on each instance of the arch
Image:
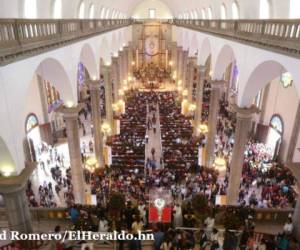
(209, 13)
(276, 122)
(52, 70)
(92, 11)
(235, 10)
(114, 43)
(225, 57)
(81, 10)
(205, 51)
(264, 9)
(7, 164)
(31, 122)
(194, 45)
(223, 11)
(88, 59)
(57, 9)
(259, 79)
(30, 9)
(195, 14)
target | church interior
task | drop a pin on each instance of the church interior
(174, 124)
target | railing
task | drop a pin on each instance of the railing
(21, 38)
(281, 36)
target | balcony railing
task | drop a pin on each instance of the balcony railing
(281, 36)
(21, 38)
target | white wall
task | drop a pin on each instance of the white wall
(141, 11)
(284, 102)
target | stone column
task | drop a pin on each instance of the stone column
(94, 87)
(125, 62)
(16, 205)
(108, 94)
(199, 98)
(130, 59)
(212, 120)
(184, 69)
(190, 77)
(43, 98)
(243, 127)
(179, 62)
(174, 57)
(121, 69)
(116, 77)
(70, 115)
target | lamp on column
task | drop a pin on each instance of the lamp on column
(7, 170)
(91, 164)
(220, 163)
(202, 128)
(105, 128)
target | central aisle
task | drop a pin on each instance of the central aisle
(153, 133)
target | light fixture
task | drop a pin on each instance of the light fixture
(69, 104)
(91, 164)
(121, 92)
(125, 88)
(179, 88)
(132, 63)
(171, 63)
(179, 82)
(105, 128)
(192, 107)
(125, 82)
(220, 163)
(7, 170)
(185, 92)
(203, 128)
(107, 63)
(94, 78)
(129, 78)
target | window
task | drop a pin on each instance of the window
(107, 14)
(152, 13)
(92, 11)
(223, 11)
(277, 123)
(191, 14)
(203, 14)
(265, 9)
(235, 11)
(102, 13)
(286, 80)
(195, 14)
(31, 122)
(30, 9)
(209, 13)
(81, 10)
(294, 8)
(57, 7)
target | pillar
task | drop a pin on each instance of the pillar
(174, 57)
(108, 94)
(94, 87)
(16, 205)
(115, 77)
(43, 98)
(243, 127)
(130, 59)
(121, 68)
(125, 62)
(179, 62)
(190, 77)
(212, 120)
(199, 98)
(184, 69)
(70, 115)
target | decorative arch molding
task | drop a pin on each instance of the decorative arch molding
(224, 58)
(258, 79)
(277, 123)
(88, 59)
(205, 51)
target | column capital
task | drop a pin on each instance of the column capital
(13, 184)
(93, 84)
(202, 69)
(70, 112)
(218, 83)
(244, 113)
(114, 59)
